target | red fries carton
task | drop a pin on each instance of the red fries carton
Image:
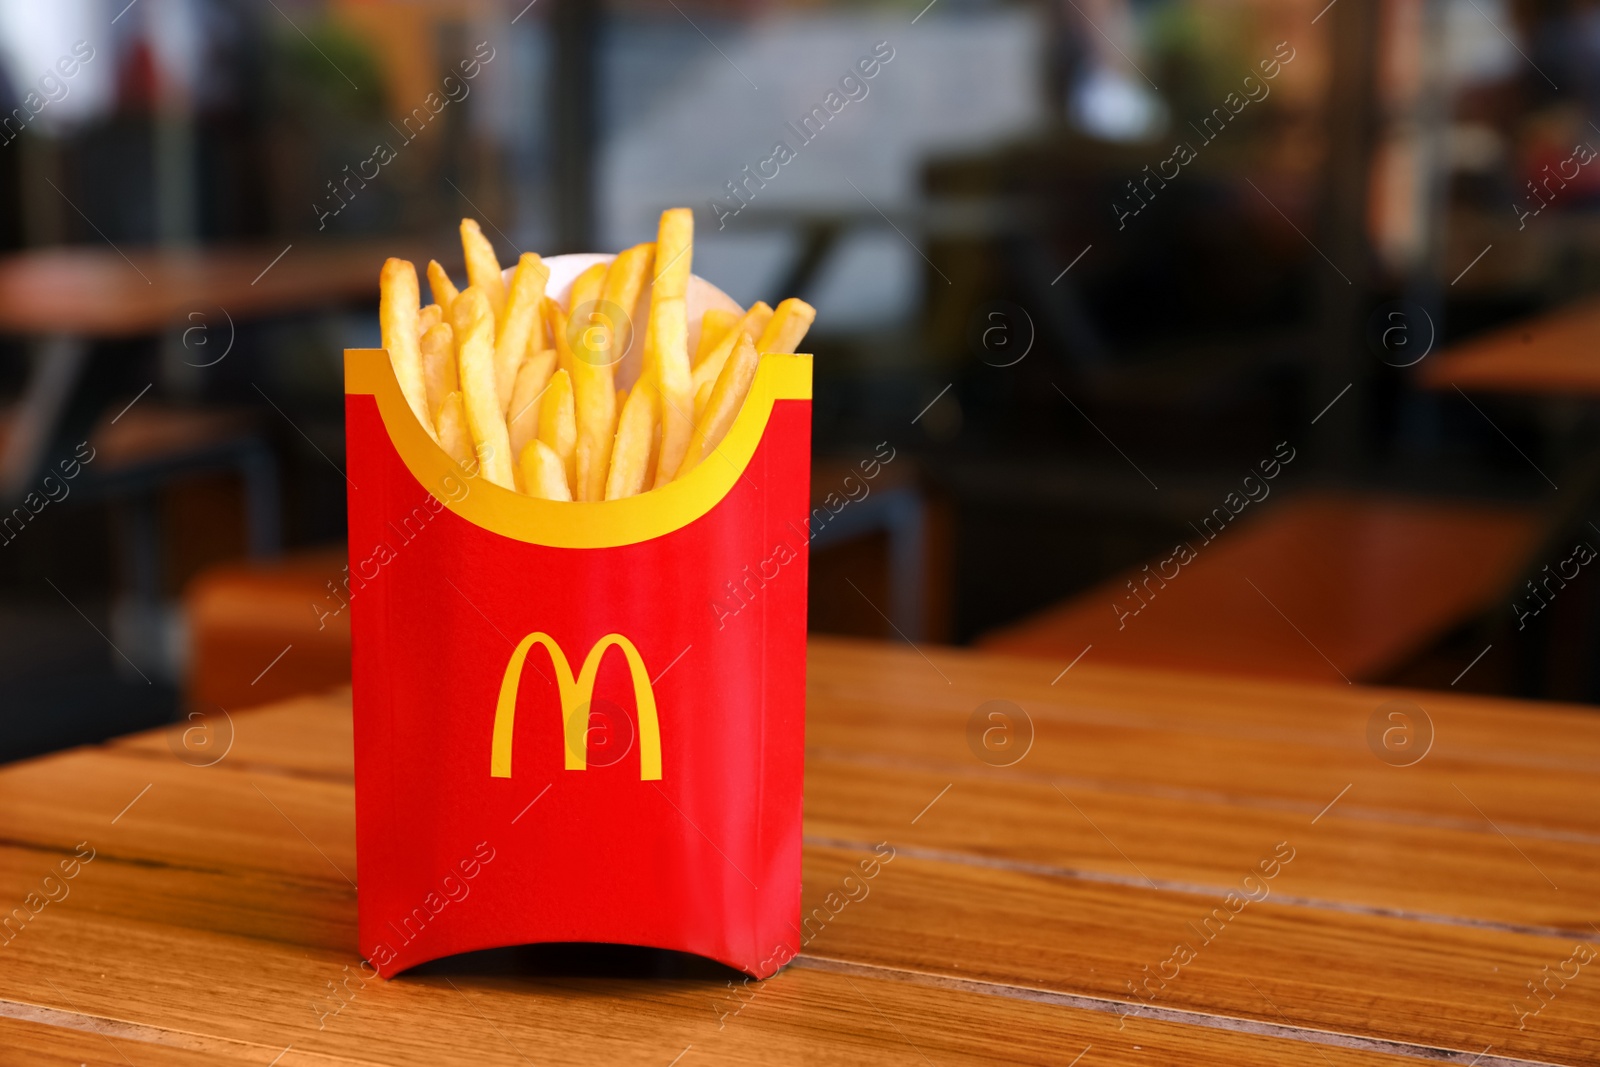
(579, 721)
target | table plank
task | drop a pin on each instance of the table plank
(1322, 587)
(1550, 354)
(308, 735)
(1428, 986)
(60, 1043)
(93, 291)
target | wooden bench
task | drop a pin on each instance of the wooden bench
(1325, 586)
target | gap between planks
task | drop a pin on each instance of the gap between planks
(1105, 1005)
(1199, 889)
(145, 1034)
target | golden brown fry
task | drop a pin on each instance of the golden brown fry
(701, 396)
(485, 414)
(595, 400)
(543, 475)
(714, 326)
(538, 333)
(430, 316)
(733, 385)
(630, 456)
(585, 291)
(483, 269)
(666, 355)
(619, 296)
(444, 290)
(754, 322)
(669, 373)
(453, 434)
(674, 250)
(516, 325)
(787, 328)
(397, 318)
(596, 410)
(439, 375)
(522, 418)
(558, 426)
(556, 320)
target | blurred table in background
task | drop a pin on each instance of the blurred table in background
(1555, 354)
(89, 291)
(1350, 896)
(68, 297)
(1322, 587)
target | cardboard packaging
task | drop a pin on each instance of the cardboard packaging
(579, 721)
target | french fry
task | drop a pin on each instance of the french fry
(753, 323)
(624, 282)
(586, 289)
(622, 400)
(453, 434)
(787, 328)
(733, 385)
(558, 426)
(522, 418)
(543, 475)
(538, 339)
(701, 396)
(630, 455)
(666, 357)
(429, 317)
(485, 414)
(595, 402)
(444, 290)
(669, 372)
(674, 250)
(439, 374)
(483, 269)
(397, 319)
(714, 326)
(556, 320)
(515, 326)
(594, 407)
(655, 447)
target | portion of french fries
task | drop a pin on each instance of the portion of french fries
(507, 376)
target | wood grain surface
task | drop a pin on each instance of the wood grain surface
(219, 908)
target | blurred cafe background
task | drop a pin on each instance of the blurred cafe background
(1245, 336)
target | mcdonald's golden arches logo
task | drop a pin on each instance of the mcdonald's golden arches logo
(576, 694)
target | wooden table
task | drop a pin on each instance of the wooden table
(95, 291)
(216, 916)
(68, 297)
(1556, 354)
(1320, 587)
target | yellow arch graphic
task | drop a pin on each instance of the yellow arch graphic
(576, 693)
